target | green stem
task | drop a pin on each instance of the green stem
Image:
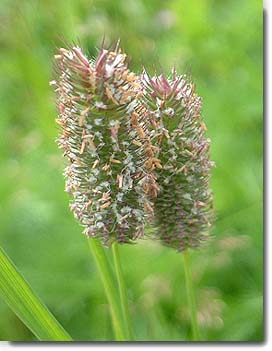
(122, 288)
(190, 295)
(110, 288)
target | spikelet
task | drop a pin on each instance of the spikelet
(183, 207)
(106, 169)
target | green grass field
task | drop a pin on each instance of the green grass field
(220, 44)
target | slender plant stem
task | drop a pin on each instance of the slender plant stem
(110, 288)
(122, 288)
(190, 295)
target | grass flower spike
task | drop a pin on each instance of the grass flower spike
(105, 168)
(137, 150)
(182, 209)
(181, 167)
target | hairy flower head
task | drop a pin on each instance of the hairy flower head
(183, 207)
(106, 169)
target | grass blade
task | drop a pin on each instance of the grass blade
(26, 305)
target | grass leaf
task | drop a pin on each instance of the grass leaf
(26, 305)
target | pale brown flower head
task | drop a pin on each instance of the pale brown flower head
(183, 207)
(106, 169)
(136, 148)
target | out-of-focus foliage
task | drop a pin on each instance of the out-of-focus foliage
(220, 44)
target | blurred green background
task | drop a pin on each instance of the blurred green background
(220, 44)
